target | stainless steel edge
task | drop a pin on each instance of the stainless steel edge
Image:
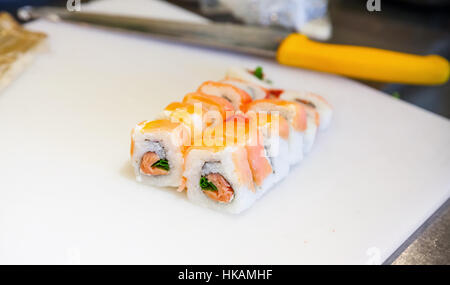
(425, 246)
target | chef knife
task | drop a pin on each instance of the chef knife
(287, 48)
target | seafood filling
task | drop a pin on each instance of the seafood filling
(214, 185)
(154, 161)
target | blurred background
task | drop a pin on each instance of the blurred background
(413, 26)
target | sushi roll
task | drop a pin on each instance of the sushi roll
(255, 81)
(248, 76)
(219, 178)
(187, 113)
(244, 130)
(254, 90)
(295, 115)
(322, 107)
(274, 130)
(312, 100)
(312, 123)
(236, 96)
(192, 116)
(212, 104)
(157, 152)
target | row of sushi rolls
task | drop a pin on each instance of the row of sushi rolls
(230, 141)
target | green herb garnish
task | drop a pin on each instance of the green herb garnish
(162, 163)
(396, 95)
(206, 185)
(259, 73)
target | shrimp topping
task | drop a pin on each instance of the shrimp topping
(148, 166)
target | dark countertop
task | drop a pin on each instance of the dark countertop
(400, 27)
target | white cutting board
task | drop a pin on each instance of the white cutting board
(68, 194)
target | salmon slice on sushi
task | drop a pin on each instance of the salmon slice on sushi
(186, 113)
(274, 130)
(191, 115)
(317, 102)
(295, 115)
(236, 96)
(312, 122)
(219, 105)
(244, 130)
(322, 107)
(254, 90)
(157, 152)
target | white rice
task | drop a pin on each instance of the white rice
(310, 132)
(155, 146)
(295, 146)
(212, 167)
(279, 157)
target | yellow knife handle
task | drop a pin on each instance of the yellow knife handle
(363, 62)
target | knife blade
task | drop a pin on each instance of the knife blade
(287, 48)
(244, 39)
